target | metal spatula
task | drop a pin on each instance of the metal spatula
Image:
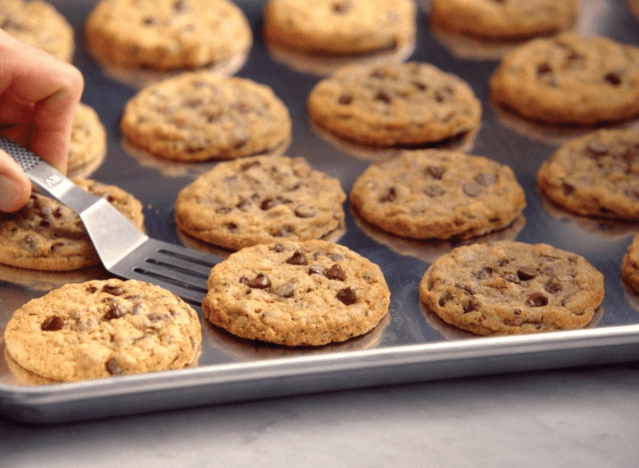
(123, 249)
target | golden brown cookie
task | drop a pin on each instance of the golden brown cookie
(39, 24)
(46, 235)
(103, 328)
(630, 264)
(410, 104)
(434, 194)
(569, 79)
(595, 175)
(499, 19)
(167, 34)
(296, 293)
(199, 116)
(512, 288)
(259, 200)
(342, 27)
(87, 147)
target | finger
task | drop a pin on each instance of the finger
(15, 187)
(54, 86)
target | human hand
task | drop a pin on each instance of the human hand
(38, 98)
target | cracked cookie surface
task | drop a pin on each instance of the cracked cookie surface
(340, 27)
(38, 24)
(167, 34)
(46, 235)
(498, 19)
(103, 328)
(434, 194)
(258, 200)
(200, 116)
(595, 175)
(570, 79)
(394, 105)
(296, 293)
(512, 288)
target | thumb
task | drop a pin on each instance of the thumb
(15, 187)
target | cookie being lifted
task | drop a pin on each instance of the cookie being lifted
(595, 175)
(200, 116)
(103, 328)
(512, 288)
(296, 293)
(434, 194)
(570, 79)
(259, 200)
(409, 104)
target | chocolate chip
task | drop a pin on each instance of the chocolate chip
(472, 189)
(261, 281)
(347, 296)
(567, 188)
(149, 21)
(315, 270)
(484, 273)
(526, 273)
(553, 285)
(510, 276)
(180, 5)
(420, 86)
(486, 179)
(342, 7)
(113, 367)
(384, 95)
(433, 191)
(389, 196)
(268, 203)
(613, 79)
(335, 273)
(248, 165)
(345, 99)
(377, 73)
(53, 323)
(298, 258)
(597, 148)
(285, 290)
(472, 305)
(112, 289)
(544, 68)
(115, 311)
(537, 300)
(444, 298)
(442, 94)
(436, 171)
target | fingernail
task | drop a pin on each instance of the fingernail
(10, 191)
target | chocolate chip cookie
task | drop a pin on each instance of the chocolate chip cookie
(340, 27)
(296, 293)
(46, 235)
(499, 19)
(258, 200)
(512, 288)
(434, 194)
(87, 147)
(595, 175)
(103, 328)
(200, 116)
(39, 24)
(410, 104)
(630, 264)
(570, 79)
(167, 34)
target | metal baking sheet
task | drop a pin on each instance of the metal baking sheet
(409, 345)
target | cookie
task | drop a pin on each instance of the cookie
(167, 34)
(342, 27)
(88, 141)
(103, 328)
(39, 24)
(409, 104)
(46, 235)
(199, 116)
(434, 194)
(630, 264)
(569, 79)
(259, 200)
(512, 288)
(498, 19)
(296, 293)
(595, 175)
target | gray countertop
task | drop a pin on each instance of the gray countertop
(570, 417)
